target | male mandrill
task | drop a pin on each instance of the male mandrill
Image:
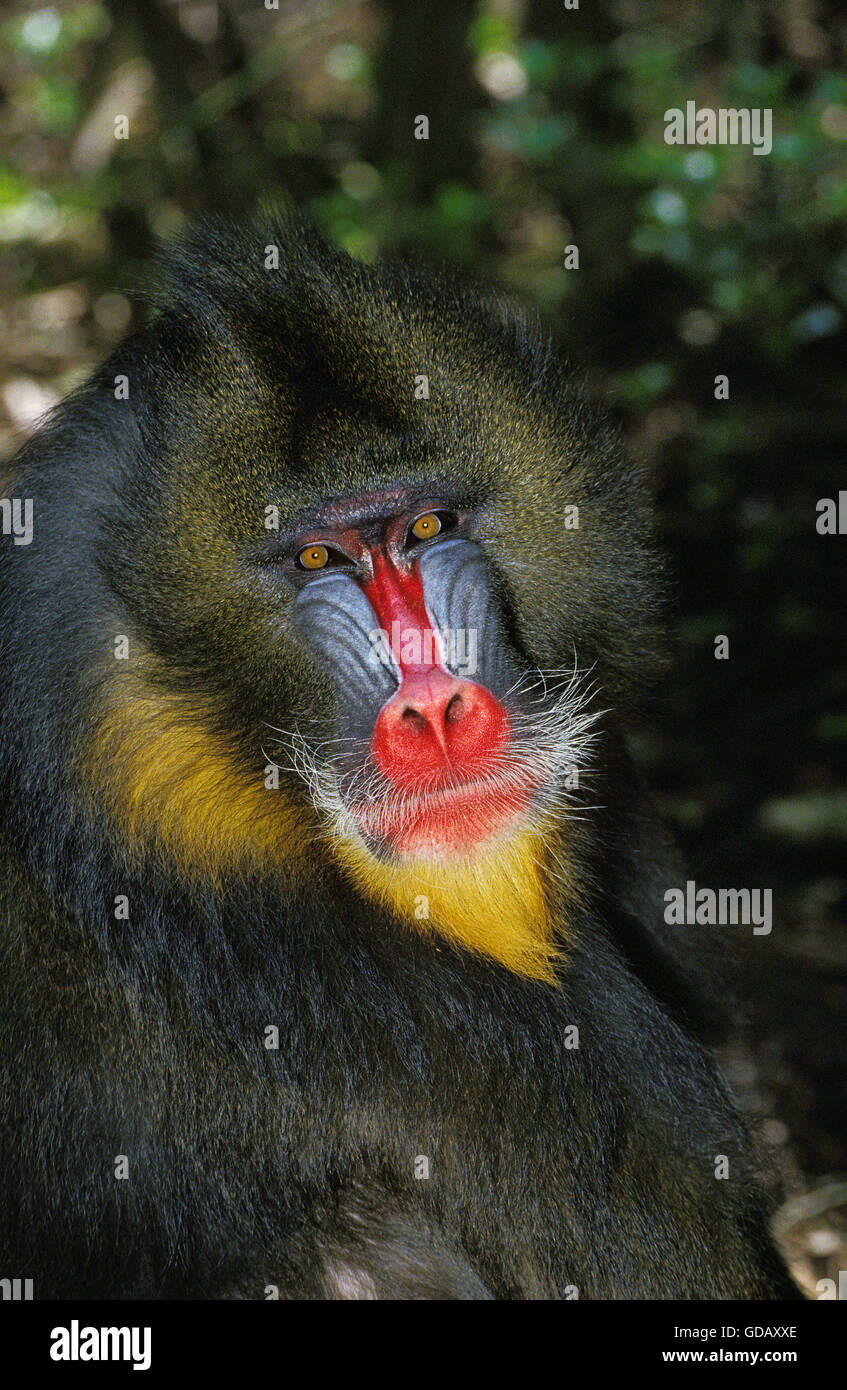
(333, 955)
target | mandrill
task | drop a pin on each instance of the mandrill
(334, 963)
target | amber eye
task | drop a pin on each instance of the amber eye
(313, 557)
(426, 527)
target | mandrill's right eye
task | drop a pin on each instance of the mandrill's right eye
(313, 557)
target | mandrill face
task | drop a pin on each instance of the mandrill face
(435, 751)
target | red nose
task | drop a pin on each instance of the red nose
(437, 727)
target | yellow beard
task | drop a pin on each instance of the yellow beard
(493, 903)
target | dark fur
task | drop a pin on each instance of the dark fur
(549, 1168)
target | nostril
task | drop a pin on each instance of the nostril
(414, 720)
(456, 710)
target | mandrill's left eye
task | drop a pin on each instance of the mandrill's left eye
(426, 526)
(313, 557)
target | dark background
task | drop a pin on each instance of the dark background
(546, 129)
